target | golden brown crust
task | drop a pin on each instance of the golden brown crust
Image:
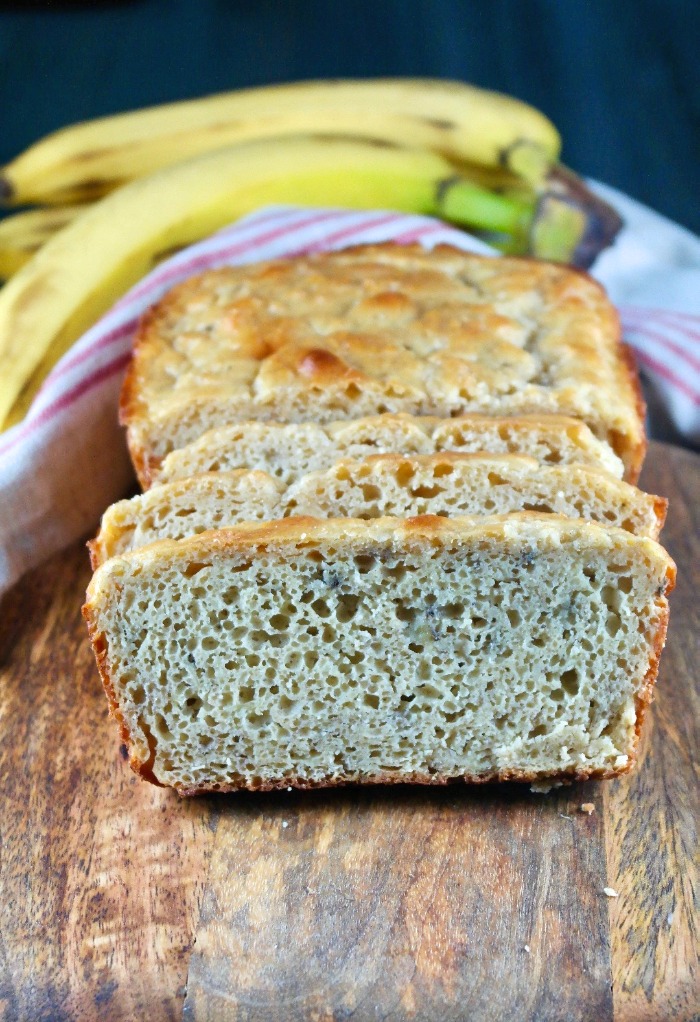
(96, 550)
(249, 538)
(379, 328)
(660, 511)
(564, 777)
(128, 401)
(637, 450)
(645, 696)
(99, 647)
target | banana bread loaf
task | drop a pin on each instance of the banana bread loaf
(375, 329)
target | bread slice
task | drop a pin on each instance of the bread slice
(375, 329)
(307, 653)
(445, 484)
(289, 451)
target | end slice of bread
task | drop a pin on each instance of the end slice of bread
(288, 451)
(445, 484)
(308, 653)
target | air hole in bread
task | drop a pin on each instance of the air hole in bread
(405, 472)
(427, 492)
(570, 682)
(543, 508)
(194, 568)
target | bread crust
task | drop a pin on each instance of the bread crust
(307, 531)
(380, 328)
(252, 538)
(99, 647)
(645, 696)
(637, 451)
(498, 776)
(129, 403)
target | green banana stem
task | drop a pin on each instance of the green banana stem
(601, 222)
(565, 222)
(469, 205)
(571, 224)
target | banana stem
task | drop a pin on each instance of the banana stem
(571, 224)
(556, 230)
(562, 219)
(469, 205)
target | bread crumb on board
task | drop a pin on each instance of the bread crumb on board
(587, 807)
(544, 787)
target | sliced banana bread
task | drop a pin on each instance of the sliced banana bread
(291, 450)
(445, 484)
(306, 653)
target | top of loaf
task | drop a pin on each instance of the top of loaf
(380, 328)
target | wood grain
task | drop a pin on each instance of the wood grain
(651, 815)
(102, 876)
(404, 905)
(121, 902)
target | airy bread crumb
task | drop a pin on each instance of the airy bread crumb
(304, 652)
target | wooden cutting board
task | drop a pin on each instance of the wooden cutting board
(122, 902)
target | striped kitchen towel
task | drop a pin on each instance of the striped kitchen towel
(62, 466)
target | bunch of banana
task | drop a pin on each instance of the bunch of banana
(168, 176)
(493, 140)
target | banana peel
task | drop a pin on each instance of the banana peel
(23, 234)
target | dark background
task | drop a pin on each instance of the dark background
(620, 78)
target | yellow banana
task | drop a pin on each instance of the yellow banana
(84, 268)
(83, 161)
(23, 234)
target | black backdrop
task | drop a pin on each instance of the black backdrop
(620, 78)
